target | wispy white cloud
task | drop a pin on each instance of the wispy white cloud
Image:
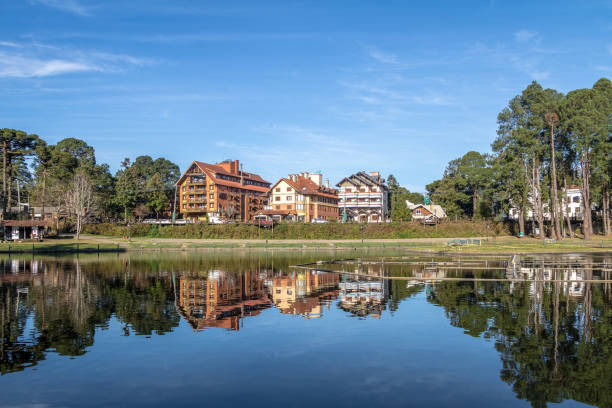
(383, 57)
(40, 60)
(24, 67)
(525, 35)
(71, 6)
(8, 44)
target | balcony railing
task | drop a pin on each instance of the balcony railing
(194, 210)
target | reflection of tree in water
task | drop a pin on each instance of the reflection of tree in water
(65, 305)
(553, 346)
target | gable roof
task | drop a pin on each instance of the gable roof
(213, 170)
(362, 178)
(306, 186)
(435, 209)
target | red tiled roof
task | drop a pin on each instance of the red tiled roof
(212, 170)
(306, 186)
(219, 169)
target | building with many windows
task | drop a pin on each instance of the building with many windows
(364, 197)
(220, 191)
(302, 197)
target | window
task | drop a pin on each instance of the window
(575, 199)
(299, 206)
(277, 207)
(212, 196)
(278, 189)
(212, 205)
(289, 189)
(289, 198)
(289, 206)
(300, 198)
(212, 187)
(277, 198)
(418, 211)
(347, 189)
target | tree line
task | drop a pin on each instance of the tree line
(67, 177)
(546, 142)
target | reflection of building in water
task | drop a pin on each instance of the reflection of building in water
(573, 289)
(304, 293)
(222, 299)
(363, 297)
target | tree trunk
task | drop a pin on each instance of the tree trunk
(553, 187)
(44, 187)
(4, 158)
(606, 208)
(10, 193)
(474, 203)
(521, 220)
(586, 197)
(538, 196)
(566, 210)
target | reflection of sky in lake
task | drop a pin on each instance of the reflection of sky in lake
(409, 355)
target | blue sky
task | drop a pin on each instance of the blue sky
(287, 86)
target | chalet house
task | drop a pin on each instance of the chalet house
(303, 198)
(428, 213)
(221, 191)
(364, 197)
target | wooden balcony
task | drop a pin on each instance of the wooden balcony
(194, 201)
(194, 210)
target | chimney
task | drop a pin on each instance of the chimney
(375, 174)
(235, 166)
(241, 176)
(327, 183)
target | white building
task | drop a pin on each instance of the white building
(571, 204)
(364, 197)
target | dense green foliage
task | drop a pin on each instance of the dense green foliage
(138, 189)
(303, 231)
(545, 142)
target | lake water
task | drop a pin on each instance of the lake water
(244, 328)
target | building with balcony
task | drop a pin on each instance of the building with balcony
(220, 191)
(364, 197)
(303, 198)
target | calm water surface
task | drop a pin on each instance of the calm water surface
(246, 329)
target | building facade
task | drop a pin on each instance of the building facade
(427, 213)
(364, 197)
(220, 191)
(303, 198)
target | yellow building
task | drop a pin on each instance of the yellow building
(303, 197)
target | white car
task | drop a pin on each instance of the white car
(319, 221)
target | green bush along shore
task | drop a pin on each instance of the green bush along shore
(304, 231)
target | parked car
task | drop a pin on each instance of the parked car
(319, 221)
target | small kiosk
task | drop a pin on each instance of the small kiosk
(16, 230)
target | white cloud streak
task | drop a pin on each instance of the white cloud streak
(525, 35)
(39, 60)
(70, 6)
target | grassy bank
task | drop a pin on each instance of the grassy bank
(451, 229)
(56, 246)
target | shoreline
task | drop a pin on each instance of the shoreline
(488, 246)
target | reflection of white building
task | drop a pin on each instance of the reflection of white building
(574, 289)
(363, 297)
